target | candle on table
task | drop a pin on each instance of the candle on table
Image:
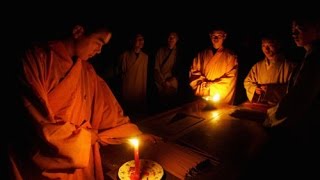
(135, 143)
(216, 98)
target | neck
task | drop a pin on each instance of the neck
(137, 50)
(69, 46)
(308, 47)
(272, 59)
(171, 47)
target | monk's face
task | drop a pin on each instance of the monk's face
(172, 39)
(217, 38)
(303, 33)
(87, 46)
(138, 41)
(270, 48)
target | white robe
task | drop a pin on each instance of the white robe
(163, 71)
(278, 72)
(134, 79)
(300, 107)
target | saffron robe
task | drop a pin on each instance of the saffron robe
(65, 100)
(214, 73)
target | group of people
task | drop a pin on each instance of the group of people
(68, 111)
(212, 72)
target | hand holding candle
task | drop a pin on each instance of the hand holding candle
(135, 143)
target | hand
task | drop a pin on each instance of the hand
(264, 88)
(150, 138)
(206, 84)
(261, 89)
(165, 84)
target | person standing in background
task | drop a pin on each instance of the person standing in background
(214, 70)
(133, 70)
(166, 71)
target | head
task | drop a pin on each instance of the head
(217, 37)
(138, 41)
(305, 31)
(172, 39)
(270, 46)
(86, 43)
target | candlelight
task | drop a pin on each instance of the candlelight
(215, 116)
(135, 143)
(214, 98)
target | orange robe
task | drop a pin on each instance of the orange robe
(65, 100)
(212, 74)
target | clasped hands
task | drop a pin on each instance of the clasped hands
(145, 137)
(261, 89)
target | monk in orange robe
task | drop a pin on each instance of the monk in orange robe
(69, 109)
(214, 70)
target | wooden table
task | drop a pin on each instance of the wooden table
(232, 140)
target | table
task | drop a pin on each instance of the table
(231, 135)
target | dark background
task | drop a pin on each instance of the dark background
(26, 22)
(244, 22)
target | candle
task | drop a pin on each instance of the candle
(135, 143)
(216, 97)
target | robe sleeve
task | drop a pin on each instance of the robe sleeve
(195, 75)
(250, 82)
(108, 115)
(227, 81)
(158, 77)
(299, 98)
(122, 64)
(64, 146)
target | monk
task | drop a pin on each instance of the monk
(133, 69)
(267, 80)
(214, 70)
(69, 110)
(293, 123)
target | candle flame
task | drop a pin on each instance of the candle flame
(214, 98)
(134, 142)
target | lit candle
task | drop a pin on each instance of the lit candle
(216, 98)
(135, 143)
